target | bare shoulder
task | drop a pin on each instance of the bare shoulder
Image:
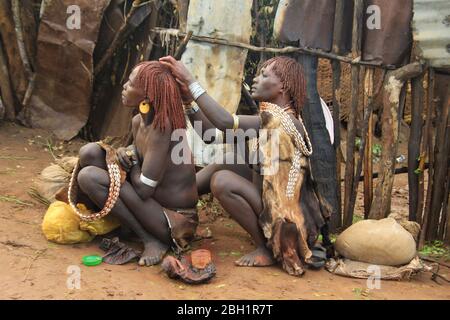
(136, 121)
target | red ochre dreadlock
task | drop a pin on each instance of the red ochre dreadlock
(292, 76)
(163, 93)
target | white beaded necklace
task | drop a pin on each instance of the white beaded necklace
(301, 148)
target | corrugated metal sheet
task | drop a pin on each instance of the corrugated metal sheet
(431, 30)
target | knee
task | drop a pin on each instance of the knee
(219, 185)
(88, 178)
(90, 153)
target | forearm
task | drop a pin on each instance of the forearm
(199, 116)
(203, 127)
(142, 190)
(218, 116)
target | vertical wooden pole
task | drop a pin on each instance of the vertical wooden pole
(414, 146)
(422, 158)
(447, 231)
(183, 8)
(336, 222)
(368, 107)
(368, 164)
(351, 133)
(440, 157)
(6, 88)
(426, 144)
(393, 101)
(444, 230)
(445, 204)
(336, 65)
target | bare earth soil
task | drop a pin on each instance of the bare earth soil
(32, 268)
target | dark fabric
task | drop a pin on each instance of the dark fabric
(117, 253)
(311, 22)
(323, 158)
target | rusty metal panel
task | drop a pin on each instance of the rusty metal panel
(390, 44)
(309, 21)
(64, 75)
(431, 31)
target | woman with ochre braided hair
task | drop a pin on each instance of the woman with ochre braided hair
(157, 201)
(283, 224)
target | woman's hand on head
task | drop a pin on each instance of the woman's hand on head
(178, 69)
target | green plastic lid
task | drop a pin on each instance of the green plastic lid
(92, 260)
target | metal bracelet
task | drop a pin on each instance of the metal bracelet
(192, 110)
(148, 182)
(196, 90)
(235, 122)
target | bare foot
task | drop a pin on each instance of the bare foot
(153, 253)
(292, 264)
(261, 257)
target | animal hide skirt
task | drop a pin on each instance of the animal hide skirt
(291, 220)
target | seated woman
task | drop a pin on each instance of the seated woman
(158, 198)
(283, 225)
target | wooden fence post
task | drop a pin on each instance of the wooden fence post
(393, 85)
(351, 128)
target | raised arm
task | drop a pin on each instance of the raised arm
(218, 116)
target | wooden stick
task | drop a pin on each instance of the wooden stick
(447, 232)
(414, 146)
(15, 6)
(445, 203)
(118, 39)
(368, 164)
(42, 9)
(182, 47)
(2, 109)
(368, 109)
(33, 259)
(393, 99)
(440, 161)
(183, 8)
(426, 148)
(397, 171)
(351, 128)
(434, 260)
(422, 158)
(336, 66)
(289, 49)
(5, 87)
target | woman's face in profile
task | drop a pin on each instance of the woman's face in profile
(266, 85)
(131, 95)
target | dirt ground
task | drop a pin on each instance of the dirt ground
(32, 268)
